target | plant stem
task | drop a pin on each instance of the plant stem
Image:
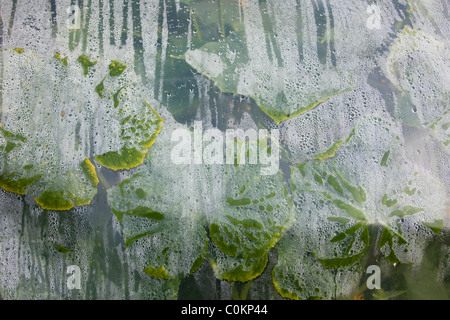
(240, 290)
(103, 180)
(372, 252)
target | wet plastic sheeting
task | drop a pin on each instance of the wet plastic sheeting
(116, 119)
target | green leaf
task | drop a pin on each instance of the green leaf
(251, 227)
(387, 295)
(295, 274)
(86, 63)
(160, 214)
(62, 249)
(416, 58)
(48, 156)
(8, 134)
(338, 220)
(385, 158)
(367, 193)
(160, 272)
(248, 61)
(17, 186)
(235, 268)
(62, 60)
(116, 68)
(357, 194)
(330, 152)
(89, 171)
(141, 211)
(165, 244)
(54, 201)
(352, 211)
(332, 263)
(332, 181)
(407, 210)
(99, 89)
(435, 226)
(245, 212)
(123, 159)
(9, 147)
(353, 229)
(387, 237)
(341, 236)
(318, 178)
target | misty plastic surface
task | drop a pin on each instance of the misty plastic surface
(359, 89)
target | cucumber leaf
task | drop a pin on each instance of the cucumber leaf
(418, 67)
(166, 207)
(58, 115)
(284, 55)
(367, 190)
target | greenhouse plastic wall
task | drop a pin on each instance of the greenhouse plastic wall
(226, 149)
